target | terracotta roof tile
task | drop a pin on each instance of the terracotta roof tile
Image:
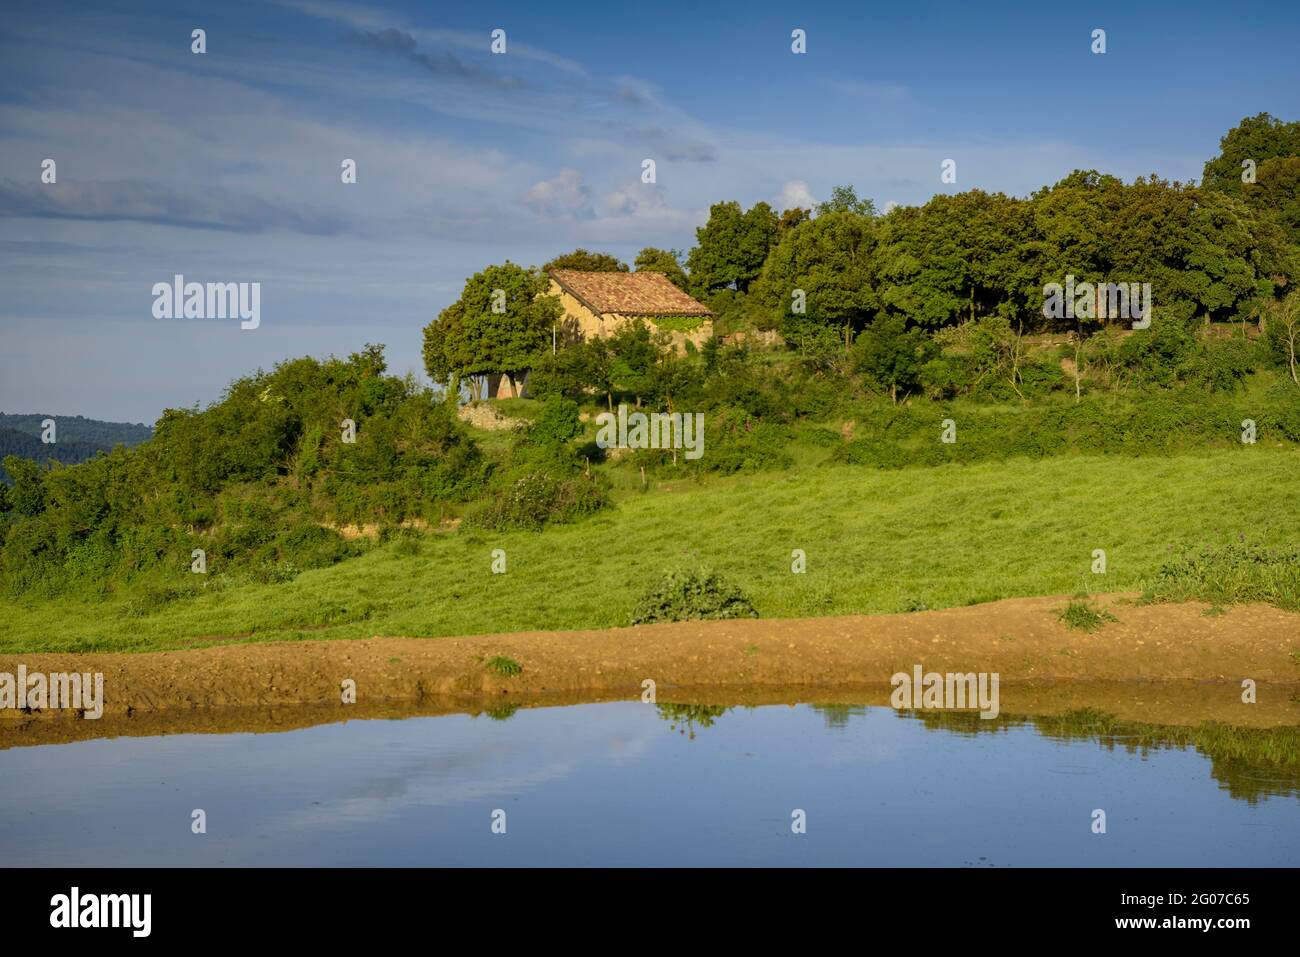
(644, 293)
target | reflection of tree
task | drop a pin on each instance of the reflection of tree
(683, 718)
(963, 722)
(837, 715)
(502, 712)
(1250, 763)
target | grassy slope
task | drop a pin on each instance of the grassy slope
(876, 541)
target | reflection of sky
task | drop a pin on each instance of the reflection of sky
(613, 784)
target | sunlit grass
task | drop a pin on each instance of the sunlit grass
(876, 541)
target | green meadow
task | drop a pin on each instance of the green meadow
(875, 541)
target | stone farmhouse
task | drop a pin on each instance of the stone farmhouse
(598, 303)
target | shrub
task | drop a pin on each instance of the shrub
(891, 356)
(559, 375)
(692, 595)
(505, 667)
(1221, 365)
(944, 377)
(736, 441)
(1154, 355)
(558, 423)
(1081, 615)
(537, 499)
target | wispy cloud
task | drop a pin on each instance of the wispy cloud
(144, 202)
(873, 92)
(440, 63)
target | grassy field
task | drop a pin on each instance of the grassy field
(876, 541)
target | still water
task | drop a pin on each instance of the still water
(627, 783)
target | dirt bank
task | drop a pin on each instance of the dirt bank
(1157, 663)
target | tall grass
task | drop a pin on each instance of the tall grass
(1228, 574)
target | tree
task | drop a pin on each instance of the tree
(666, 261)
(891, 356)
(586, 261)
(732, 247)
(1258, 138)
(1272, 148)
(500, 324)
(1282, 329)
(634, 355)
(824, 268)
(958, 258)
(844, 199)
(27, 496)
(792, 217)
(1276, 195)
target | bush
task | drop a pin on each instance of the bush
(820, 347)
(560, 375)
(692, 595)
(1154, 355)
(1041, 378)
(891, 356)
(735, 441)
(1221, 365)
(538, 499)
(558, 423)
(945, 377)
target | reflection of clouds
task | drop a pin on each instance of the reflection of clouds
(622, 749)
(481, 767)
(399, 794)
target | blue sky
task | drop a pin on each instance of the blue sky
(225, 166)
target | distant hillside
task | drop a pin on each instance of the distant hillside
(79, 438)
(77, 428)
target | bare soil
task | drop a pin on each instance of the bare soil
(1172, 664)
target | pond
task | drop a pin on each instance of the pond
(627, 783)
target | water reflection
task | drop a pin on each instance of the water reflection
(670, 784)
(685, 718)
(1250, 763)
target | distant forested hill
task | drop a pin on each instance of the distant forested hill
(78, 438)
(76, 428)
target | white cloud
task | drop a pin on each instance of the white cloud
(564, 194)
(795, 193)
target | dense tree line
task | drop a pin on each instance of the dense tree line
(1227, 250)
(22, 445)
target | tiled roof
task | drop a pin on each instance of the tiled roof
(645, 293)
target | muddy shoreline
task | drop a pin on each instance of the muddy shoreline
(1168, 664)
